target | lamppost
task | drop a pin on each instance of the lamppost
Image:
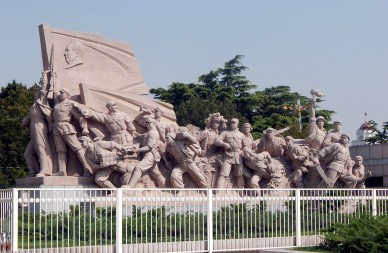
(298, 108)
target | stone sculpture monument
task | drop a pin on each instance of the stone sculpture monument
(90, 119)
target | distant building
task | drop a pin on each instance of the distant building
(362, 133)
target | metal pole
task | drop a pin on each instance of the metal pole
(14, 229)
(119, 223)
(298, 219)
(374, 202)
(210, 220)
(299, 111)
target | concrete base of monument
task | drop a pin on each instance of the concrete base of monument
(56, 182)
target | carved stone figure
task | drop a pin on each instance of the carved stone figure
(74, 53)
(273, 143)
(208, 156)
(102, 158)
(317, 132)
(298, 155)
(336, 156)
(358, 171)
(97, 70)
(334, 135)
(65, 133)
(249, 141)
(184, 148)
(118, 124)
(39, 121)
(210, 134)
(261, 164)
(233, 143)
(156, 114)
(151, 156)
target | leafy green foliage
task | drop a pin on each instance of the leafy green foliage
(15, 100)
(227, 91)
(363, 234)
(378, 136)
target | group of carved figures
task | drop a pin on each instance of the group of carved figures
(147, 152)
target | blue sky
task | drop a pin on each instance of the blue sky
(340, 47)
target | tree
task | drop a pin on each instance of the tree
(378, 136)
(15, 100)
(223, 90)
(227, 91)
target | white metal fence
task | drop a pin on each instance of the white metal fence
(164, 220)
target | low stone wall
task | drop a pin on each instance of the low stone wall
(375, 159)
(228, 245)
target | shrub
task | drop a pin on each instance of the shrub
(363, 234)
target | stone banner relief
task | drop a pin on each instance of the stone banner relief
(90, 118)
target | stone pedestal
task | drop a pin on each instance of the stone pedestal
(37, 194)
(56, 182)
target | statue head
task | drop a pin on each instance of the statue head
(345, 138)
(111, 106)
(289, 140)
(150, 122)
(234, 124)
(215, 120)
(74, 54)
(158, 113)
(170, 137)
(269, 133)
(246, 128)
(358, 160)
(63, 94)
(337, 125)
(320, 121)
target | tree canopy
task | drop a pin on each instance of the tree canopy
(15, 100)
(378, 136)
(228, 91)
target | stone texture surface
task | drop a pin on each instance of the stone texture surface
(107, 70)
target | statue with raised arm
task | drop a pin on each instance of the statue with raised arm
(184, 148)
(317, 132)
(65, 134)
(118, 124)
(155, 114)
(39, 121)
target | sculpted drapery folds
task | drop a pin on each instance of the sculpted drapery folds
(150, 152)
(40, 123)
(65, 133)
(230, 153)
(184, 148)
(118, 124)
(233, 143)
(337, 156)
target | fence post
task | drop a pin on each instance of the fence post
(14, 228)
(119, 223)
(298, 219)
(210, 220)
(374, 202)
